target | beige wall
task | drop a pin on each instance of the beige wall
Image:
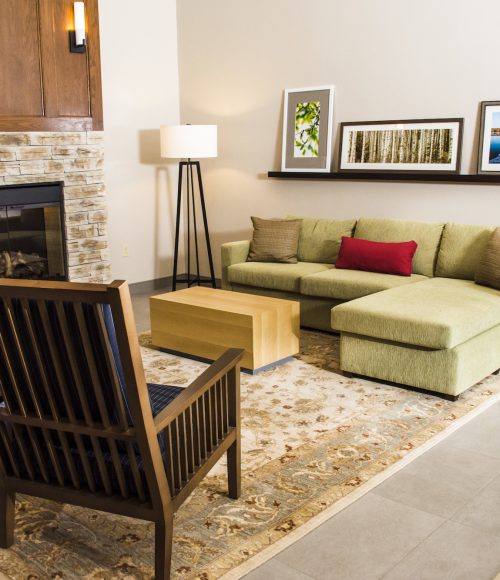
(389, 59)
(140, 91)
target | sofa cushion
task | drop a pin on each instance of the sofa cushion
(488, 270)
(351, 284)
(274, 240)
(437, 313)
(427, 235)
(383, 257)
(274, 276)
(319, 239)
(462, 247)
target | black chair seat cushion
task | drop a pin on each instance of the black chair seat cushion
(161, 395)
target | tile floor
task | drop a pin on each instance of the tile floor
(438, 518)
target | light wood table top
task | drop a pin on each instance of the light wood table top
(204, 322)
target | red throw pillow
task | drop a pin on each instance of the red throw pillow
(386, 258)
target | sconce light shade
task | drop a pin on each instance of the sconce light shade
(188, 141)
(77, 36)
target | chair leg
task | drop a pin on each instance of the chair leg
(7, 516)
(163, 548)
(234, 469)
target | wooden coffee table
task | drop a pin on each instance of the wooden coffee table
(204, 322)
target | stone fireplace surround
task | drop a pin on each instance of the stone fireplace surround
(76, 158)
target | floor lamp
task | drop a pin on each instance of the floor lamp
(188, 142)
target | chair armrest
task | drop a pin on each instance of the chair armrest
(201, 424)
(232, 253)
(222, 367)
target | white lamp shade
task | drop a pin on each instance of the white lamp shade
(188, 141)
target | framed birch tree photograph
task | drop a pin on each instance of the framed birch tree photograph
(489, 138)
(417, 145)
(307, 129)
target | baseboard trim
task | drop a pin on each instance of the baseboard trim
(151, 285)
(161, 284)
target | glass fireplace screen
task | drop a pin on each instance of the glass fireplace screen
(31, 236)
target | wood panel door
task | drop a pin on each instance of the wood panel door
(20, 70)
(44, 86)
(66, 76)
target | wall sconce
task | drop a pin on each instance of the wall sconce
(77, 37)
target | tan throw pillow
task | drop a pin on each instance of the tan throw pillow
(274, 240)
(488, 271)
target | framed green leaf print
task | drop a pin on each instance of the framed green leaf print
(307, 129)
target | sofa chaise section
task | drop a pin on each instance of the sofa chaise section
(438, 313)
(442, 334)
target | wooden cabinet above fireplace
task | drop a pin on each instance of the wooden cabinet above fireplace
(44, 86)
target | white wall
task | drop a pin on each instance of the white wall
(140, 92)
(389, 59)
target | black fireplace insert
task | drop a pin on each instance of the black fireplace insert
(32, 234)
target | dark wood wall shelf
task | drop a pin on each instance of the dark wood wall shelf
(376, 176)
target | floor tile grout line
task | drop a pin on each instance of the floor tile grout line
(483, 454)
(410, 550)
(445, 521)
(479, 491)
(476, 529)
(449, 517)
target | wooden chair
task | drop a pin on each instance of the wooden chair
(78, 423)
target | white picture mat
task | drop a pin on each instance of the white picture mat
(454, 126)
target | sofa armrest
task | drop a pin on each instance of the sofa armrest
(232, 253)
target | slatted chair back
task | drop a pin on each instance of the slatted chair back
(76, 411)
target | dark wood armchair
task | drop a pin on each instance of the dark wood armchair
(79, 424)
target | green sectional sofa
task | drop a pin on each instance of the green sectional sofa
(435, 330)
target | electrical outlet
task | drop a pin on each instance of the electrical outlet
(125, 250)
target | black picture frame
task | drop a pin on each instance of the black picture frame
(484, 168)
(455, 123)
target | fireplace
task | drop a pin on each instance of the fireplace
(32, 240)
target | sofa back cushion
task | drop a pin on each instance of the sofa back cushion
(461, 250)
(426, 234)
(319, 239)
(488, 270)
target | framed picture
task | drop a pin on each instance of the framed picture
(489, 138)
(414, 146)
(307, 129)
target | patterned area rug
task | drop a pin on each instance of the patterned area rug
(311, 438)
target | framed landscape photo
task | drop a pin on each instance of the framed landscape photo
(489, 138)
(307, 129)
(413, 146)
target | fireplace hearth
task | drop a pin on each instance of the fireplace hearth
(32, 240)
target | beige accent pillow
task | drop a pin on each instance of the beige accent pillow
(488, 271)
(274, 240)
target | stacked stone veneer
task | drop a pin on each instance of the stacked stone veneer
(77, 159)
